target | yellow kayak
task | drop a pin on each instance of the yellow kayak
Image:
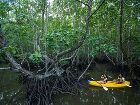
(111, 84)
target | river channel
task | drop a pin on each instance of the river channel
(12, 93)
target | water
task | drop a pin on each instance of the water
(12, 93)
(98, 96)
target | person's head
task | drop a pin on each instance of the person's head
(102, 75)
(120, 75)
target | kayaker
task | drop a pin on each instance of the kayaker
(103, 79)
(120, 79)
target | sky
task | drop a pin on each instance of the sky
(50, 1)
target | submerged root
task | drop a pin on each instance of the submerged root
(40, 92)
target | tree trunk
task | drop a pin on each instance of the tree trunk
(120, 48)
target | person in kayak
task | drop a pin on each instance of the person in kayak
(120, 79)
(104, 79)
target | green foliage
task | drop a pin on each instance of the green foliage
(4, 8)
(35, 57)
(133, 43)
(100, 44)
(59, 40)
(11, 49)
(22, 27)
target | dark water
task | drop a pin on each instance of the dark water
(12, 93)
(98, 96)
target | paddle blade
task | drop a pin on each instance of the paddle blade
(105, 88)
(92, 78)
(128, 85)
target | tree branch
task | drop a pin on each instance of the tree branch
(17, 67)
(83, 37)
(5, 68)
(68, 57)
(85, 70)
(97, 8)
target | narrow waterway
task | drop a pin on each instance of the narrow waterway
(12, 93)
(98, 96)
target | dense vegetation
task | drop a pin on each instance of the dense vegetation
(62, 30)
(38, 26)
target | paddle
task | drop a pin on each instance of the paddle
(105, 88)
(128, 85)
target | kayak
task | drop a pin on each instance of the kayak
(111, 84)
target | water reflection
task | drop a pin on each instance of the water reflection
(98, 96)
(11, 92)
